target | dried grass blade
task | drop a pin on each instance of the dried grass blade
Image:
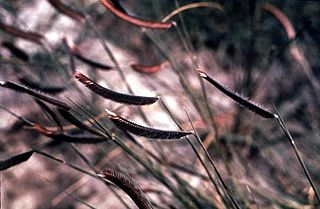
(237, 98)
(146, 69)
(144, 131)
(285, 22)
(192, 6)
(64, 9)
(15, 160)
(19, 53)
(128, 186)
(34, 93)
(135, 21)
(112, 95)
(27, 35)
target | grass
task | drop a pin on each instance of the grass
(161, 67)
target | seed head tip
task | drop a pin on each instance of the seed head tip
(100, 175)
(110, 113)
(77, 74)
(202, 74)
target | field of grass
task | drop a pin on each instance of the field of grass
(159, 104)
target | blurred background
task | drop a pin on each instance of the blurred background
(267, 51)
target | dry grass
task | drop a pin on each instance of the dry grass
(232, 158)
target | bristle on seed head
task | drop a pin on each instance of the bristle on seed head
(101, 175)
(77, 74)
(70, 43)
(202, 74)
(111, 113)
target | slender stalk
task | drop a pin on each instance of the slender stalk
(93, 168)
(197, 154)
(69, 193)
(297, 153)
(64, 162)
(156, 173)
(236, 205)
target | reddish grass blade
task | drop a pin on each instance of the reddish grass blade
(19, 53)
(144, 131)
(137, 22)
(34, 93)
(64, 137)
(15, 160)
(64, 9)
(27, 35)
(239, 99)
(112, 95)
(147, 69)
(128, 186)
(282, 19)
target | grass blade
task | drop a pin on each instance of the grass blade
(73, 49)
(64, 9)
(90, 62)
(135, 21)
(19, 53)
(147, 69)
(191, 6)
(27, 35)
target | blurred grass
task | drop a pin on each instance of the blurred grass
(244, 47)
